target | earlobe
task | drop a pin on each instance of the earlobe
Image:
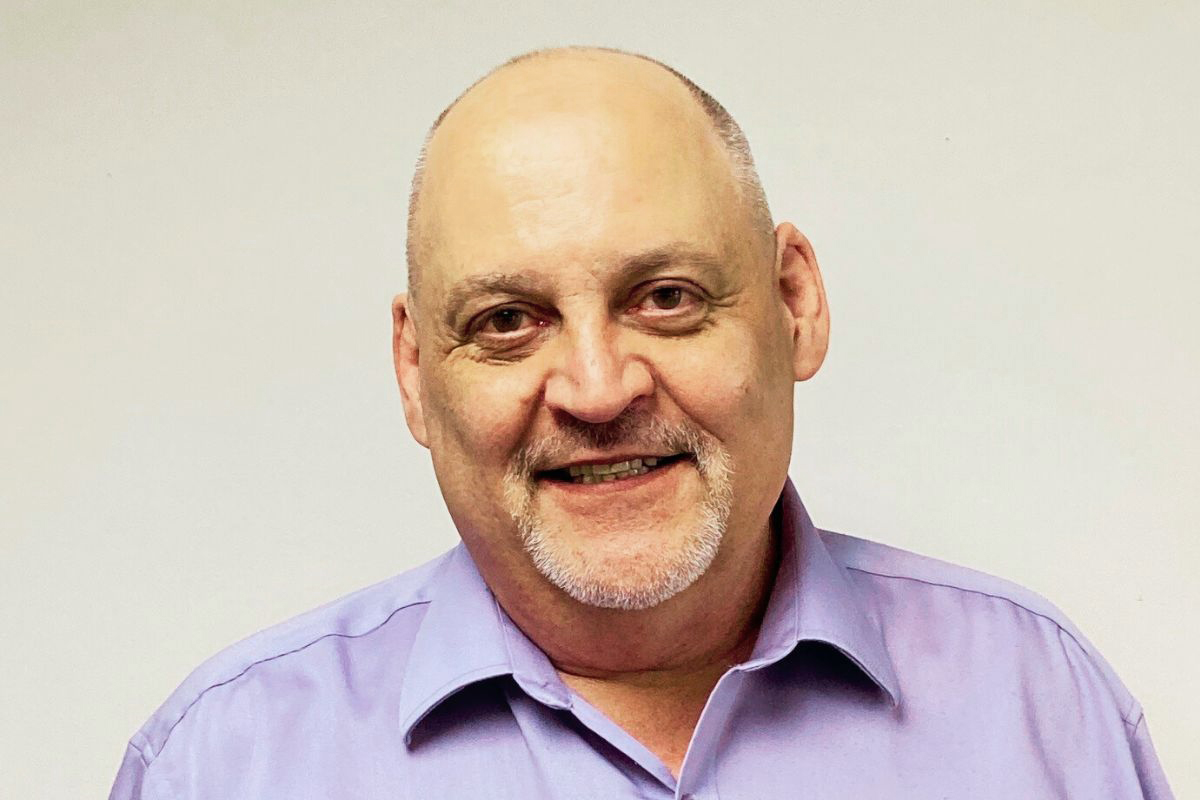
(803, 295)
(406, 355)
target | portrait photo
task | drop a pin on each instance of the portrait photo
(579, 400)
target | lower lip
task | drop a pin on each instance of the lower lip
(624, 484)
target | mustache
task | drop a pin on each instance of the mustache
(631, 430)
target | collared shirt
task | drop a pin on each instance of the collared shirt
(877, 673)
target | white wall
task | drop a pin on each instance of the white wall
(202, 227)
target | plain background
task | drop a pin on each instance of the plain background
(202, 229)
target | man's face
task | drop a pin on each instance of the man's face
(605, 368)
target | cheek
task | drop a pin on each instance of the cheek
(478, 411)
(737, 391)
(740, 393)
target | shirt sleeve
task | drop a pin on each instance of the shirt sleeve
(1145, 760)
(128, 785)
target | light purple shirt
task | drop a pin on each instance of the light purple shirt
(877, 674)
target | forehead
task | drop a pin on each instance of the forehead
(576, 169)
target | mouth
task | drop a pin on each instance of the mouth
(609, 471)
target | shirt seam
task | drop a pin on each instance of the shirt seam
(138, 749)
(254, 664)
(1058, 625)
(504, 633)
(1129, 719)
(1008, 600)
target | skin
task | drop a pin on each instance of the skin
(544, 186)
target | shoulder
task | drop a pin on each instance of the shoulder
(970, 614)
(331, 643)
(881, 562)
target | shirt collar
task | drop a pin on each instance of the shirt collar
(465, 636)
(815, 600)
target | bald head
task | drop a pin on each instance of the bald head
(579, 108)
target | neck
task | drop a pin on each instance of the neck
(651, 672)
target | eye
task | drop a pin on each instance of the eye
(506, 325)
(667, 300)
(666, 297)
(505, 320)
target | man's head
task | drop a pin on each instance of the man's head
(601, 352)
(737, 149)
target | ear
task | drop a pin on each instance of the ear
(407, 356)
(803, 295)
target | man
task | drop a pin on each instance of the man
(599, 348)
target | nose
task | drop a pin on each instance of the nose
(594, 379)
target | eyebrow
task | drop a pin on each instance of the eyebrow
(648, 262)
(632, 268)
(520, 283)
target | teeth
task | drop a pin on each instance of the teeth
(586, 476)
(599, 473)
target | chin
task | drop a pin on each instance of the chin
(630, 542)
(630, 570)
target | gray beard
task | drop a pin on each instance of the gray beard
(627, 584)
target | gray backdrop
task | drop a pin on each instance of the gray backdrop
(202, 229)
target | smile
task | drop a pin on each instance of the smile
(613, 471)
